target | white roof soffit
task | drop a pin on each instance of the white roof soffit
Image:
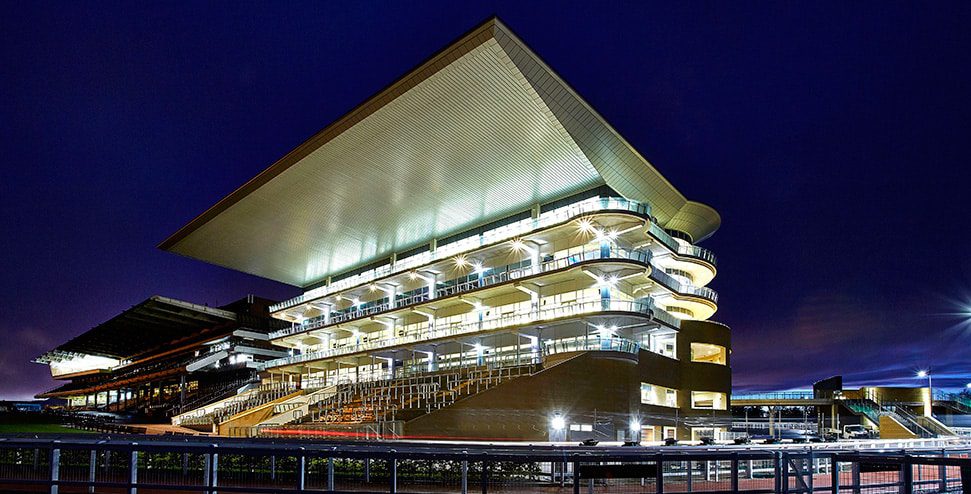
(482, 130)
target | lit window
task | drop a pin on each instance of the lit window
(708, 400)
(706, 352)
(652, 394)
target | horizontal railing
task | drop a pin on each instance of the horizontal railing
(487, 279)
(448, 330)
(669, 282)
(591, 343)
(505, 232)
(290, 465)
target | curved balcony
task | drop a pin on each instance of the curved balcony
(643, 307)
(669, 282)
(502, 233)
(458, 286)
(682, 249)
(591, 344)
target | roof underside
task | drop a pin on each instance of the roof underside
(482, 130)
(148, 325)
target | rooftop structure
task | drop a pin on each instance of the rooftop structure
(477, 247)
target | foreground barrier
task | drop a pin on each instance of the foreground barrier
(145, 464)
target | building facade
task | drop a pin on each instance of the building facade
(482, 256)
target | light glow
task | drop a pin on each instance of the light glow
(558, 423)
(635, 425)
(922, 373)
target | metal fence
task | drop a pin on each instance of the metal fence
(187, 464)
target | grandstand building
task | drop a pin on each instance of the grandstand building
(482, 256)
(163, 357)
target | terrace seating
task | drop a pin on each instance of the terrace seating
(407, 397)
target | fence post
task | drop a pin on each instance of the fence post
(906, 476)
(855, 474)
(215, 471)
(785, 473)
(659, 484)
(330, 473)
(465, 476)
(485, 476)
(133, 470)
(576, 475)
(92, 466)
(777, 467)
(55, 469)
(301, 471)
(834, 471)
(206, 471)
(393, 470)
(688, 475)
(811, 467)
(735, 472)
(942, 472)
(367, 470)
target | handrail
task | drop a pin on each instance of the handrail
(584, 306)
(642, 256)
(591, 343)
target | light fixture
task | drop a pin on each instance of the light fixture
(635, 425)
(922, 373)
(460, 261)
(477, 267)
(372, 288)
(968, 386)
(585, 226)
(517, 245)
(412, 276)
(558, 423)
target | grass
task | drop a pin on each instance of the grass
(39, 428)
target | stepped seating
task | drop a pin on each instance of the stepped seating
(242, 402)
(407, 397)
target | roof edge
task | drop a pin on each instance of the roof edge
(338, 126)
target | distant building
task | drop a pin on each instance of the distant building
(482, 256)
(164, 356)
(887, 411)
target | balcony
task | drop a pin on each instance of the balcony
(681, 248)
(668, 281)
(465, 284)
(591, 343)
(502, 233)
(450, 330)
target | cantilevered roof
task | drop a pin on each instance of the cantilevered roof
(150, 324)
(482, 130)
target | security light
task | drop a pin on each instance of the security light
(558, 423)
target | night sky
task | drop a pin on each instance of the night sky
(833, 139)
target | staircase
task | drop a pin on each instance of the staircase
(207, 417)
(918, 425)
(398, 399)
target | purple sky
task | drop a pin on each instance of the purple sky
(834, 141)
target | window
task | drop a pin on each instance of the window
(652, 394)
(708, 400)
(663, 343)
(581, 427)
(706, 352)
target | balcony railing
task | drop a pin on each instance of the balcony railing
(658, 275)
(505, 232)
(447, 330)
(591, 343)
(681, 248)
(461, 285)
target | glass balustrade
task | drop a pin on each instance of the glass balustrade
(495, 276)
(591, 343)
(452, 329)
